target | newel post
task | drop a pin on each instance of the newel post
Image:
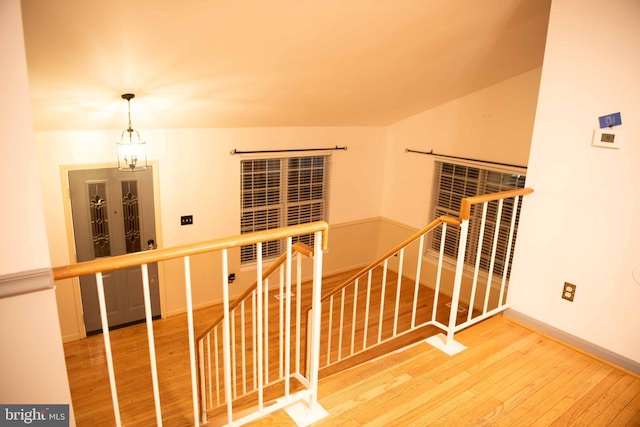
(446, 343)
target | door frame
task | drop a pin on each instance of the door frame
(71, 246)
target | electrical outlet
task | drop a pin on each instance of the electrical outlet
(568, 291)
(186, 220)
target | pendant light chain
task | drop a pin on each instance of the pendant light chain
(129, 109)
(129, 97)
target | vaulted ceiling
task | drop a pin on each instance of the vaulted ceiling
(239, 63)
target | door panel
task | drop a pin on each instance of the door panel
(110, 294)
(134, 295)
(113, 215)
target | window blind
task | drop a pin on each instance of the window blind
(452, 183)
(281, 192)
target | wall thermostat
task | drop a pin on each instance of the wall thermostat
(607, 137)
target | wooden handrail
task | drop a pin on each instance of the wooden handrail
(440, 220)
(147, 257)
(298, 247)
(465, 205)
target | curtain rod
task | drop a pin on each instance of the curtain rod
(431, 153)
(336, 148)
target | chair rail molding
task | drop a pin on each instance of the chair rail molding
(25, 282)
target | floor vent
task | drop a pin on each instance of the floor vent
(460, 309)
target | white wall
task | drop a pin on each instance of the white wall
(32, 367)
(492, 124)
(374, 178)
(21, 220)
(197, 175)
(581, 225)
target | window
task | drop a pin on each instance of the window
(281, 192)
(452, 183)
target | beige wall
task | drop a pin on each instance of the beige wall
(581, 225)
(196, 174)
(21, 222)
(492, 124)
(582, 193)
(32, 366)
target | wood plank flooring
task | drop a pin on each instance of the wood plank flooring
(349, 346)
(509, 375)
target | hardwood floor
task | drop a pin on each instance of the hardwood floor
(509, 375)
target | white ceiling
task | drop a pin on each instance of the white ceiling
(239, 63)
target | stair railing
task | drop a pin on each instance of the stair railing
(363, 313)
(355, 311)
(97, 267)
(247, 322)
(497, 203)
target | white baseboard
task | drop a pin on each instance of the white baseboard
(573, 341)
(71, 337)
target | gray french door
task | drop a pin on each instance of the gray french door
(113, 214)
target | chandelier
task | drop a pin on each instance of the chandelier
(132, 151)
